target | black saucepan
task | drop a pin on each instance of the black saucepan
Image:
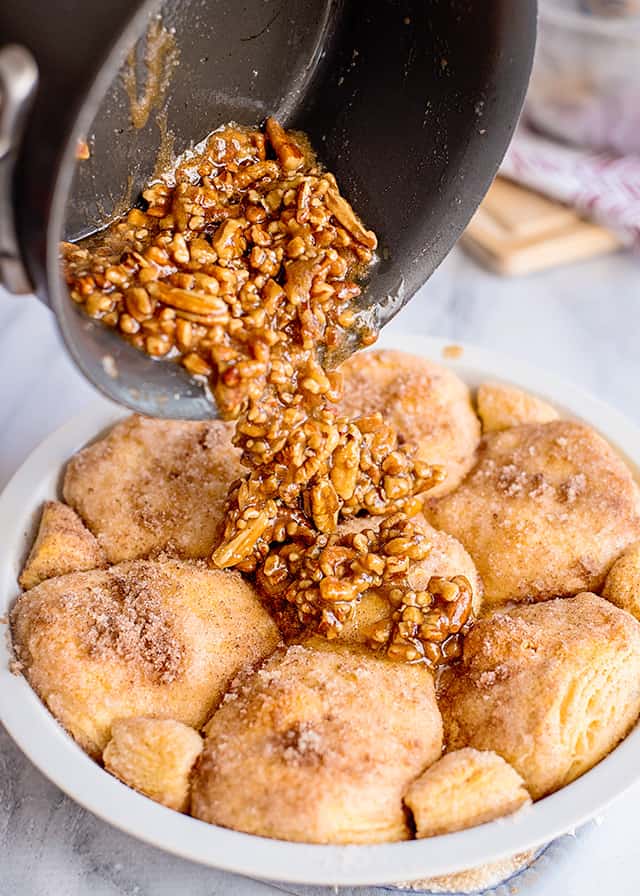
(410, 102)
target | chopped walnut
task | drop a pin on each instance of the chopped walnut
(326, 468)
(325, 580)
(244, 267)
(240, 266)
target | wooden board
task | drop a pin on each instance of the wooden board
(517, 231)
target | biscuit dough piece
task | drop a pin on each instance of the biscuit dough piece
(155, 485)
(463, 789)
(142, 638)
(63, 545)
(545, 511)
(447, 559)
(155, 757)
(551, 687)
(319, 746)
(622, 586)
(429, 405)
(501, 406)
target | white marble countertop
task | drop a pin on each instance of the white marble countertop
(581, 322)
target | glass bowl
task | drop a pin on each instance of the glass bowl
(585, 86)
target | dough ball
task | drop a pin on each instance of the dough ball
(551, 687)
(155, 485)
(155, 757)
(544, 512)
(622, 586)
(142, 638)
(463, 789)
(447, 559)
(63, 544)
(501, 406)
(319, 746)
(429, 405)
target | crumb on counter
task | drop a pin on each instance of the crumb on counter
(452, 352)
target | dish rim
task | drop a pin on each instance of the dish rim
(60, 759)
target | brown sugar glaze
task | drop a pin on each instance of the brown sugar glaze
(244, 267)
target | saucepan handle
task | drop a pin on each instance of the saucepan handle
(18, 83)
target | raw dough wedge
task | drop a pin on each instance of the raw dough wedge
(463, 789)
(63, 545)
(622, 586)
(501, 406)
(155, 757)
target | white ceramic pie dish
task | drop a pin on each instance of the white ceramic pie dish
(58, 757)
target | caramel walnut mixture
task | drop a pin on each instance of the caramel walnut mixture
(244, 268)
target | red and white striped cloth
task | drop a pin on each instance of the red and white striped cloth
(602, 187)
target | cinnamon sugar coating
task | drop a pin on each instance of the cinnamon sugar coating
(552, 688)
(545, 511)
(152, 486)
(142, 638)
(318, 746)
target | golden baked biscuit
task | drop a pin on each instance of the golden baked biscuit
(463, 789)
(155, 485)
(622, 585)
(446, 559)
(319, 746)
(429, 405)
(142, 638)
(155, 757)
(551, 687)
(63, 544)
(544, 512)
(501, 406)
